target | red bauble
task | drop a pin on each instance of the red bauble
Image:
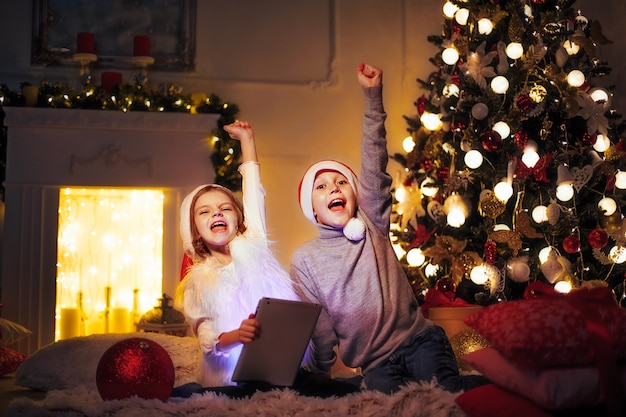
(491, 252)
(447, 287)
(598, 238)
(491, 140)
(571, 244)
(524, 102)
(521, 139)
(135, 367)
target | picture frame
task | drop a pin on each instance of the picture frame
(170, 25)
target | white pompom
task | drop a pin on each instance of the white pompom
(354, 230)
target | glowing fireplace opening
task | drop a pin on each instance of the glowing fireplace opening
(109, 259)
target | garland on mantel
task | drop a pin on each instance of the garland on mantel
(226, 153)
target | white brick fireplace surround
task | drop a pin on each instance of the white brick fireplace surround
(49, 149)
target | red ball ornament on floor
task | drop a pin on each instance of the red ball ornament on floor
(135, 367)
(571, 244)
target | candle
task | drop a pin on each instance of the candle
(120, 319)
(110, 79)
(141, 46)
(70, 322)
(85, 43)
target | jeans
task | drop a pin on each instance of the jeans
(428, 355)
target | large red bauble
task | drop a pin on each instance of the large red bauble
(135, 367)
(447, 287)
(598, 238)
(491, 140)
(571, 244)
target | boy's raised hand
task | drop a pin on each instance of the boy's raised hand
(239, 130)
(369, 75)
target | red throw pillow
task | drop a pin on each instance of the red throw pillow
(10, 360)
(549, 331)
(492, 401)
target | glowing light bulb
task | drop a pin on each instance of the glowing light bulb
(575, 78)
(602, 143)
(544, 254)
(400, 252)
(500, 84)
(401, 195)
(503, 191)
(415, 257)
(450, 56)
(456, 217)
(530, 158)
(514, 50)
(570, 47)
(563, 287)
(599, 95)
(429, 187)
(608, 206)
(485, 26)
(564, 192)
(620, 179)
(408, 144)
(617, 254)
(539, 214)
(451, 90)
(449, 9)
(431, 121)
(503, 129)
(461, 16)
(473, 159)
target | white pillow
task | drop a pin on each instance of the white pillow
(12, 332)
(73, 362)
(551, 388)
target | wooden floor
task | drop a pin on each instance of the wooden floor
(10, 391)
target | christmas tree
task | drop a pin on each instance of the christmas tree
(515, 169)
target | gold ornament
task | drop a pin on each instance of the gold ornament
(466, 341)
(524, 227)
(509, 237)
(489, 205)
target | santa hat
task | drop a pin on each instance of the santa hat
(352, 230)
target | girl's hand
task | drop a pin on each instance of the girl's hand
(249, 330)
(369, 75)
(239, 130)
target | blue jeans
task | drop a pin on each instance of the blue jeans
(428, 354)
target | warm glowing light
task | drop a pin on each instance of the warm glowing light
(450, 56)
(575, 78)
(503, 191)
(570, 47)
(607, 205)
(499, 84)
(501, 226)
(599, 95)
(461, 16)
(617, 254)
(473, 159)
(514, 50)
(563, 287)
(408, 144)
(485, 26)
(401, 194)
(620, 179)
(602, 143)
(503, 129)
(564, 192)
(449, 9)
(481, 274)
(400, 252)
(451, 90)
(544, 254)
(431, 270)
(431, 121)
(539, 214)
(415, 257)
(456, 210)
(530, 158)
(429, 187)
(110, 245)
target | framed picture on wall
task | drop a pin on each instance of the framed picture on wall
(168, 26)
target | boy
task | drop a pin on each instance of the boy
(369, 310)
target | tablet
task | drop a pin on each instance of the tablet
(275, 357)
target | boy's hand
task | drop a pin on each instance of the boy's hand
(240, 130)
(369, 75)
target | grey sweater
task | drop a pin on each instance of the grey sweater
(369, 309)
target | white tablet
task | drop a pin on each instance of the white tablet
(276, 356)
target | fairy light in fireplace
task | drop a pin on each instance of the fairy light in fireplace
(109, 259)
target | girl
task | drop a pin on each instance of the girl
(233, 266)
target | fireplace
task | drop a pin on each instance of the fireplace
(50, 150)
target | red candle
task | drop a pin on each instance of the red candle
(85, 43)
(141, 46)
(110, 79)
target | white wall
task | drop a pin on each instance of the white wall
(300, 117)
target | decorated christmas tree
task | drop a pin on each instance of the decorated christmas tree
(515, 169)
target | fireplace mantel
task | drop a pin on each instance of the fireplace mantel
(53, 148)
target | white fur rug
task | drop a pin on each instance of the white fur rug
(412, 401)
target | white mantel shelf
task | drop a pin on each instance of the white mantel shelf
(49, 149)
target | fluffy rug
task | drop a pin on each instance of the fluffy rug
(413, 401)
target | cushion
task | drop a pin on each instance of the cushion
(9, 360)
(12, 332)
(548, 331)
(492, 401)
(73, 362)
(550, 388)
